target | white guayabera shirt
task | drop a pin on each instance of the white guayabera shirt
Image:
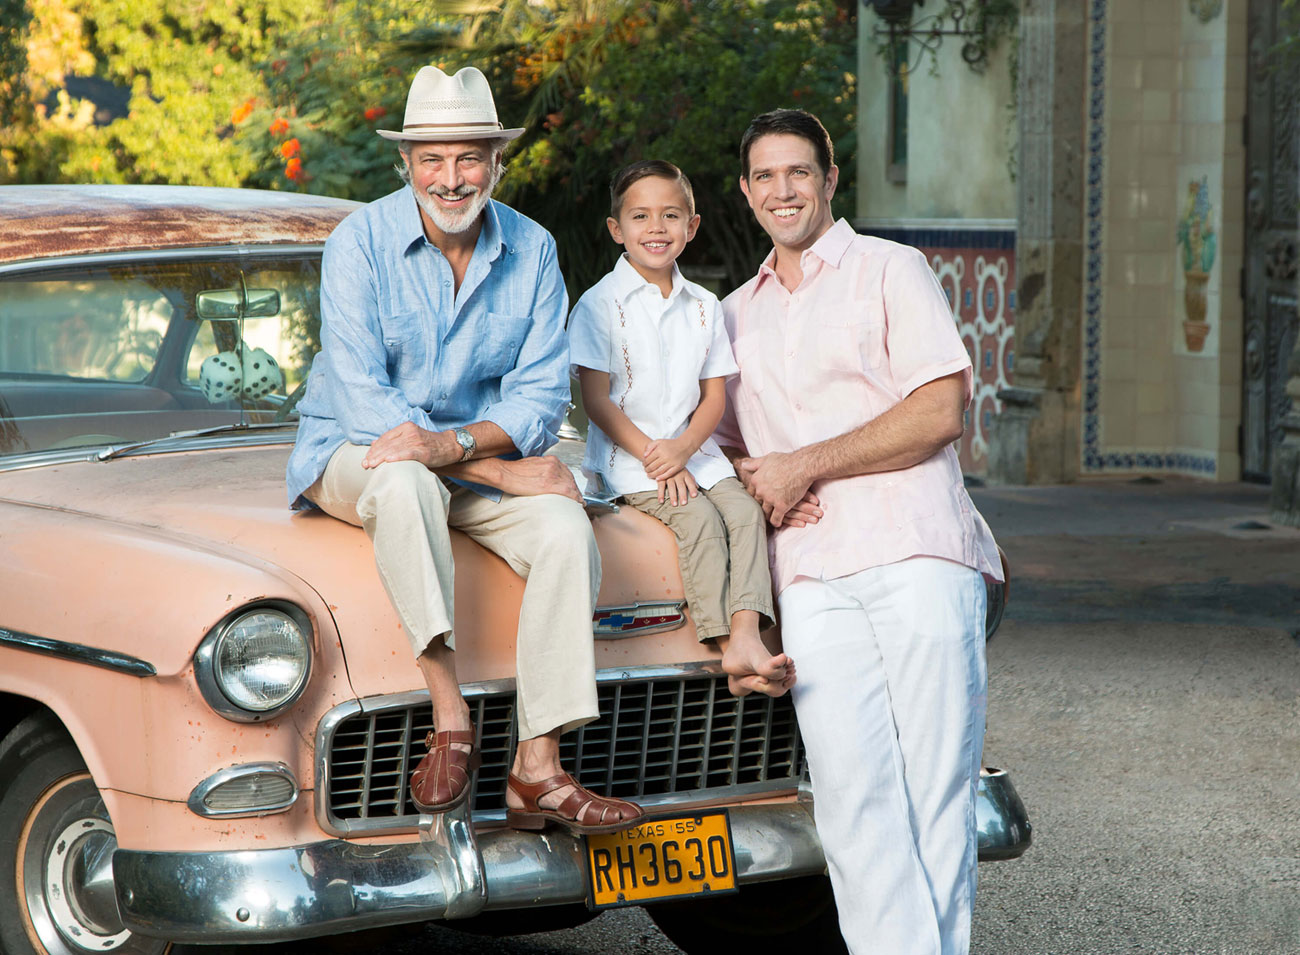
(656, 351)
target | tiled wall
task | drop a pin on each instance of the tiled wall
(1166, 95)
(976, 265)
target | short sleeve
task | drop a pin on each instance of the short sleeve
(589, 334)
(718, 361)
(921, 335)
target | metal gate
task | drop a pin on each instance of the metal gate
(1273, 160)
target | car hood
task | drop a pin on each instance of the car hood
(232, 503)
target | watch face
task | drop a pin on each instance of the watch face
(465, 440)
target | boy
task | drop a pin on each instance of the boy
(651, 355)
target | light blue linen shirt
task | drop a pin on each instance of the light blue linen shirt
(399, 343)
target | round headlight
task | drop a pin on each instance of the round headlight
(261, 661)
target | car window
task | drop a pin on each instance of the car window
(128, 351)
(93, 328)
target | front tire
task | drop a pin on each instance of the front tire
(769, 918)
(56, 847)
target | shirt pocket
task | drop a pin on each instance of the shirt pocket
(497, 351)
(752, 381)
(406, 345)
(852, 343)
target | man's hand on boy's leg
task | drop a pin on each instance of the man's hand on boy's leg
(665, 457)
(678, 489)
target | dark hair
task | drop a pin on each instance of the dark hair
(643, 169)
(789, 122)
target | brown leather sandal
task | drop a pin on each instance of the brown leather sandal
(441, 780)
(582, 812)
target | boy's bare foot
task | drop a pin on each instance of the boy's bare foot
(752, 668)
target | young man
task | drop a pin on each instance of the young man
(851, 390)
(443, 372)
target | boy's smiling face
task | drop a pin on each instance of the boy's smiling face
(654, 224)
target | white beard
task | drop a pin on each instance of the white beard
(453, 223)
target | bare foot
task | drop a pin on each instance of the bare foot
(752, 668)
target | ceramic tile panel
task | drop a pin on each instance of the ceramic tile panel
(1131, 297)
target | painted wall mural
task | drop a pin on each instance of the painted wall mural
(1197, 243)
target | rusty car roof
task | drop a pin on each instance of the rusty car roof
(39, 222)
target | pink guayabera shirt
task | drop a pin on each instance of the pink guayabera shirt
(866, 327)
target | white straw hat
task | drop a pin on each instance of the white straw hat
(447, 109)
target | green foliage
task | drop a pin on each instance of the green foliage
(598, 84)
(13, 60)
(286, 94)
(680, 82)
(191, 69)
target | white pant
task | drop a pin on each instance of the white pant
(891, 698)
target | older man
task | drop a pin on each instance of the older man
(443, 373)
(851, 389)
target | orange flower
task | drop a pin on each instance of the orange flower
(241, 112)
(279, 126)
(293, 169)
(374, 112)
(279, 65)
(290, 148)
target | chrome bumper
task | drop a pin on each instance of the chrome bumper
(337, 886)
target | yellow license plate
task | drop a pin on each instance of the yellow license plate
(675, 858)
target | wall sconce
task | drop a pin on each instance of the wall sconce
(961, 18)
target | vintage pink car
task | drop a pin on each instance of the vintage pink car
(208, 713)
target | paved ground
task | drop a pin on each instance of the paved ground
(1145, 695)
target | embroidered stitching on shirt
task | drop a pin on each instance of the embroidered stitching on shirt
(627, 367)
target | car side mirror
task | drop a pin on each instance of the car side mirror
(225, 304)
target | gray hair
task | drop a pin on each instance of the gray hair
(496, 147)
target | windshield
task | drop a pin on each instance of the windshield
(131, 351)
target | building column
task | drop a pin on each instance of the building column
(1285, 496)
(1036, 438)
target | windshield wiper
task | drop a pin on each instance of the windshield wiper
(109, 453)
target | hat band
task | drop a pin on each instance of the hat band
(407, 126)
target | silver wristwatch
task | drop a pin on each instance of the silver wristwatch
(466, 441)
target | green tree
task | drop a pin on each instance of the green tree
(598, 84)
(193, 71)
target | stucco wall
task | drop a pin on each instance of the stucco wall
(961, 134)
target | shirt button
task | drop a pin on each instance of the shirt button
(445, 284)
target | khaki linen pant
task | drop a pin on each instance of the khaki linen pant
(406, 510)
(721, 551)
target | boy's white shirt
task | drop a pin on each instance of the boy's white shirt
(656, 351)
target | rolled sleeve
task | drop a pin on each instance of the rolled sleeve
(360, 394)
(535, 392)
(922, 338)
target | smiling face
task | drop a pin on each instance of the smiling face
(452, 182)
(788, 192)
(654, 224)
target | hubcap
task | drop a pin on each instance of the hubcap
(79, 885)
(65, 875)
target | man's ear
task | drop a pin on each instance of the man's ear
(832, 180)
(614, 231)
(744, 187)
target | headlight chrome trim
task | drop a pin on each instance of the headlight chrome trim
(205, 662)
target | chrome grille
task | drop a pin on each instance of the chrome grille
(657, 741)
